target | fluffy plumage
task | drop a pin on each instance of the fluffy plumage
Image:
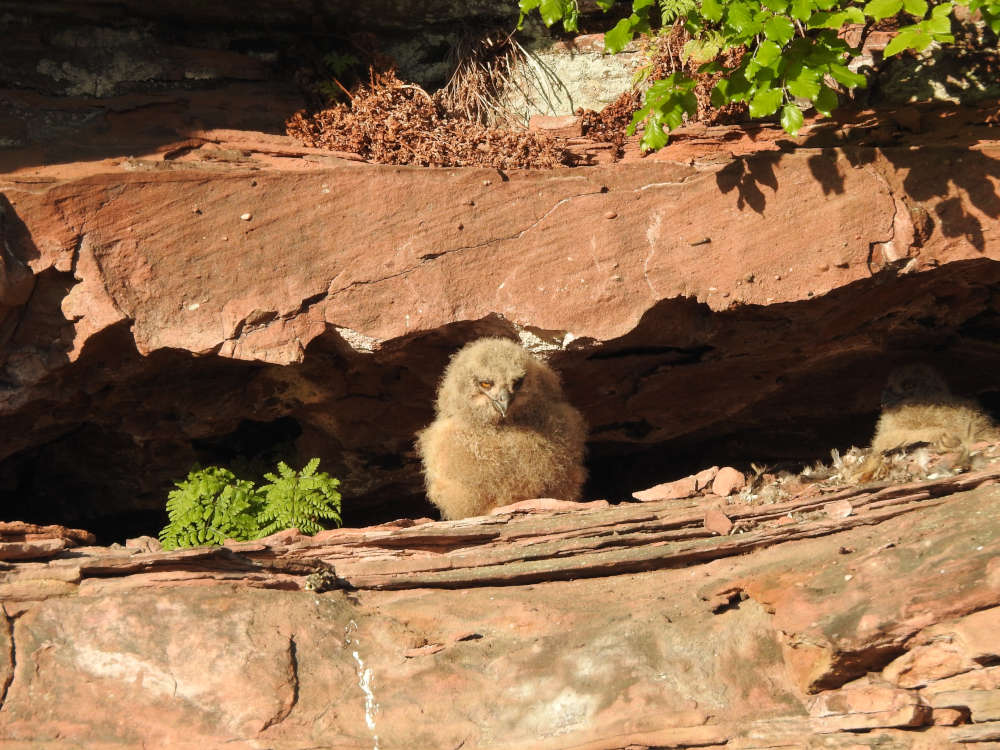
(503, 433)
(918, 407)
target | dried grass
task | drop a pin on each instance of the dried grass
(486, 67)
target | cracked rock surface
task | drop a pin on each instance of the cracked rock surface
(600, 627)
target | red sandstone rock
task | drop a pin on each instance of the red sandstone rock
(718, 522)
(144, 544)
(983, 705)
(984, 733)
(947, 717)
(675, 490)
(838, 509)
(923, 664)
(984, 678)
(545, 504)
(19, 531)
(550, 663)
(865, 705)
(704, 478)
(728, 481)
(947, 649)
(31, 550)
(564, 126)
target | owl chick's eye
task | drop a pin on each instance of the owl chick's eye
(485, 384)
(518, 383)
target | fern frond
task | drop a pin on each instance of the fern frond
(212, 505)
(298, 499)
(671, 10)
(208, 507)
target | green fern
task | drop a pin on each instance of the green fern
(298, 499)
(209, 507)
(671, 10)
(212, 505)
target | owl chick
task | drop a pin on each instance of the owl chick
(918, 407)
(503, 433)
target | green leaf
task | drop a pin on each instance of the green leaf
(551, 11)
(991, 15)
(778, 6)
(801, 9)
(639, 5)
(909, 37)
(526, 6)
(917, 8)
(767, 53)
(805, 85)
(826, 101)
(854, 14)
(879, 9)
(825, 20)
(765, 102)
(938, 25)
(605, 5)
(619, 36)
(639, 115)
(845, 76)
(944, 10)
(821, 53)
(571, 18)
(736, 88)
(702, 50)
(711, 9)
(741, 17)
(779, 30)
(687, 104)
(791, 118)
(653, 137)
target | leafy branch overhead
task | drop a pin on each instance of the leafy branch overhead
(794, 54)
(212, 505)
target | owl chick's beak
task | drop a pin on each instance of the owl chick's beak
(502, 402)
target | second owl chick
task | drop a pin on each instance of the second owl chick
(918, 407)
(504, 432)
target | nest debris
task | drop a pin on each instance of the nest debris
(861, 466)
(391, 122)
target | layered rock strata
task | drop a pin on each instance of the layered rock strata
(601, 627)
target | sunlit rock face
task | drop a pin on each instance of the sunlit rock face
(180, 283)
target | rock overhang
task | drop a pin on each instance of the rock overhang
(748, 307)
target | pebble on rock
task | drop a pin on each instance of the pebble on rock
(728, 481)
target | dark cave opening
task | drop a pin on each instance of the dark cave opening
(108, 483)
(251, 449)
